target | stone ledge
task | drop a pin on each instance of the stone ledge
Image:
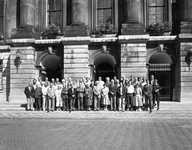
(162, 38)
(48, 41)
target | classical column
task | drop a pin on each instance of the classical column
(186, 16)
(133, 18)
(79, 15)
(27, 20)
(27, 13)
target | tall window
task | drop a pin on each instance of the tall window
(54, 10)
(1, 16)
(104, 11)
(157, 11)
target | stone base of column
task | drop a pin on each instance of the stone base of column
(24, 32)
(76, 30)
(132, 29)
(186, 27)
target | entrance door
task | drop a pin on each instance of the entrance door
(104, 70)
(160, 65)
(163, 73)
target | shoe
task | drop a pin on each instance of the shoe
(150, 111)
(157, 108)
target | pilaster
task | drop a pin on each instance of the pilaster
(133, 55)
(21, 70)
(76, 57)
(185, 70)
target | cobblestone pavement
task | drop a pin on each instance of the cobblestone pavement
(160, 130)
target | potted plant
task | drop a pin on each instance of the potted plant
(104, 29)
(51, 31)
(158, 29)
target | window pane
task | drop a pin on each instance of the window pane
(103, 3)
(151, 10)
(159, 10)
(103, 16)
(104, 11)
(54, 12)
(1, 24)
(159, 18)
(160, 2)
(1, 8)
(152, 2)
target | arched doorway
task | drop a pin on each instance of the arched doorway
(51, 65)
(104, 66)
(160, 65)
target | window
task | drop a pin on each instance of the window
(104, 11)
(2, 16)
(54, 12)
(157, 11)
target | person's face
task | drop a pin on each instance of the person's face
(112, 81)
(99, 78)
(34, 81)
(152, 77)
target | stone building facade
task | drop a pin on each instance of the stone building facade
(78, 53)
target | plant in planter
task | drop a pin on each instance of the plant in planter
(158, 29)
(103, 29)
(51, 31)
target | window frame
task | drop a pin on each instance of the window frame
(114, 7)
(166, 16)
(63, 14)
(3, 17)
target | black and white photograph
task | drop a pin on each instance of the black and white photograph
(95, 74)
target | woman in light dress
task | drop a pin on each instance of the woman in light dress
(58, 98)
(105, 96)
(137, 101)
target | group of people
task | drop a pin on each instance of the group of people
(134, 93)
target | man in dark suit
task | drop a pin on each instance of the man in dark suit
(147, 89)
(29, 92)
(72, 96)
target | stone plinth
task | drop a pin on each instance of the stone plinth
(76, 30)
(133, 28)
(185, 86)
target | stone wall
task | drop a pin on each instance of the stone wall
(5, 75)
(133, 56)
(76, 61)
(19, 77)
(185, 92)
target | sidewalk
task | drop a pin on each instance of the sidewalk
(95, 114)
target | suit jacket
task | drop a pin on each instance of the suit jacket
(147, 89)
(29, 93)
(38, 92)
(112, 89)
(123, 92)
(72, 94)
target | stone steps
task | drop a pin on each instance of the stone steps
(6, 106)
(12, 106)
